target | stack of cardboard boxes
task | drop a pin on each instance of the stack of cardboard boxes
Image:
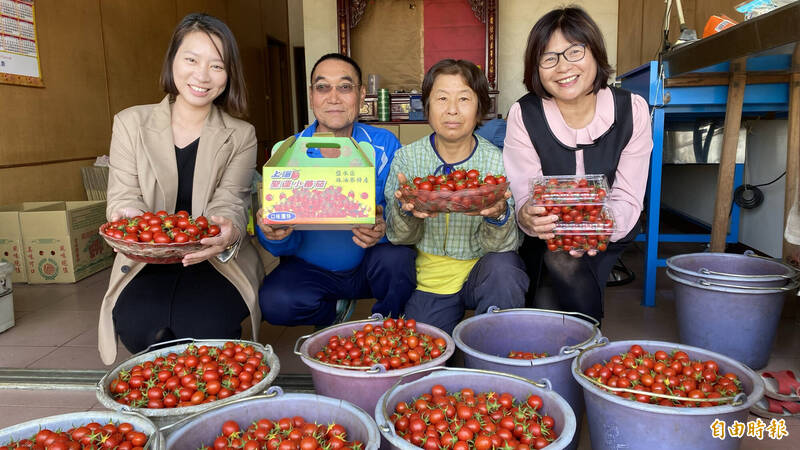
(53, 242)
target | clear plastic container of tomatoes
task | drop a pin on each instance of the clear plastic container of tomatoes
(590, 229)
(569, 190)
(461, 200)
(151, 252)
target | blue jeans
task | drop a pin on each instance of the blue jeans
(300, 293)
(497, 279)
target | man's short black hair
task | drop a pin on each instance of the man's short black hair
(340, 57)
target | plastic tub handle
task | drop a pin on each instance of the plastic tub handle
(297, 343)
(705, 271)
(789, 287)
(796, 271)
(566, 349)
(164, 344)
(600, 342)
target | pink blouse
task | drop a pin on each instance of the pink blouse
(627, 193)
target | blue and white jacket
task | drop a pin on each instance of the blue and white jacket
(334, 249)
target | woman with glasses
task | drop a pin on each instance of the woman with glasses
(464, 260)
(572, 123)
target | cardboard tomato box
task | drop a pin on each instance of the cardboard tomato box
(62, 243)
(319, 182)
(11, 249)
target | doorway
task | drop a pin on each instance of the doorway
(301, 90)
(279, 104)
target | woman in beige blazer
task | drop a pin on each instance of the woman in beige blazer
(186, 153)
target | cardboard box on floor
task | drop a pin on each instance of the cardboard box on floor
(12, 248)
(62, 243)
(319, 182)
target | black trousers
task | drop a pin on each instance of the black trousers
(169, 301)
(578, 283)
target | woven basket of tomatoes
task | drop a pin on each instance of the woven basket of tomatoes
(474, 409)
(357, 361)
(89, 429)
(460, 191)
(279, 420)
(158, 238)
(188, 376)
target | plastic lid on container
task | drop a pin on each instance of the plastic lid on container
(568, 189)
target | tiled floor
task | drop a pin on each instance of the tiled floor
(56, 327)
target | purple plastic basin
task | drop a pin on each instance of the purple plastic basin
(361, 387)
(615, 422)
(740, 322)
(732, 269)
(553, 404)
(485, 342)
(202, 429)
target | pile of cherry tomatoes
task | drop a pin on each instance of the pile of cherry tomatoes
(460, 191)
(526, 355)
(396, 344)
(286, 433)
(465, 420)
(199, 374)
(89, 436)
(162, 228)
(455, 181)
(665, 373)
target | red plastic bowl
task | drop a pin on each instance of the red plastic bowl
(152, 253)
(465, 200)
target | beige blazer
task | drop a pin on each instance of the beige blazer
(143, 174)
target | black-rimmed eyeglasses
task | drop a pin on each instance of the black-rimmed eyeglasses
(573, 53)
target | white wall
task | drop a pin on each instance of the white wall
(515, 19)
(319, 27)
(296, 39)
(691, 189)
(762, 227)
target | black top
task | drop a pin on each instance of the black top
(601, 156)
(186, 158)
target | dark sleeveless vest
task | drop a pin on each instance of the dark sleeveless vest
(600, 157)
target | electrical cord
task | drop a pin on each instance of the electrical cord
(749, 196)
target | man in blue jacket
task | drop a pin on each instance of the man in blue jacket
(319, 267)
